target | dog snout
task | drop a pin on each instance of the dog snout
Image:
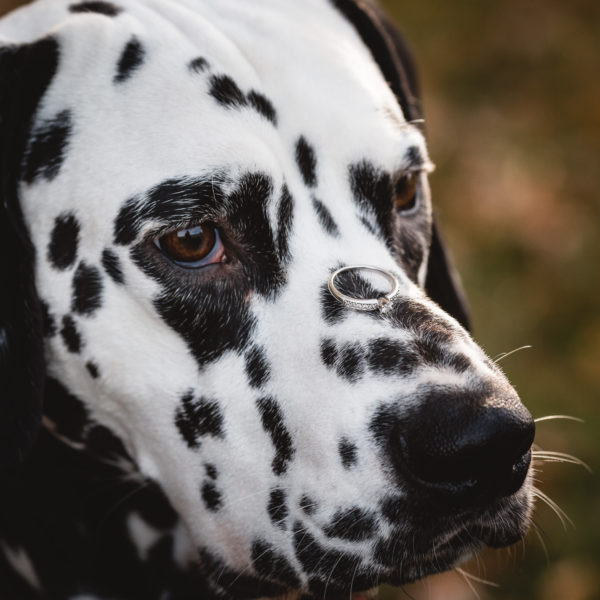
(463, 449)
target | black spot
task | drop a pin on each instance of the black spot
(67, 412)
(64, 239)
(459, 362)
(368, 225)
(48, 322)
(373, 192)
(417, 318)
(47, 148)
(348, 453)
(131, 59)
(112, 265)
(238, 585)
(430, 352)
(211, 471)
(351, 362)
(226, 91)
(272, 565)
(333, 310)
(308, 505)
(307, 162)
(198, 65)
(382, 423)
(319, 560)
(284, 223)
(328, 352)
(71, 335)
(197, 418)
(277, 507)
(273, 422)
(92, 369)
(413, 159)
(102, 442)
(257, 367)
(211, 496)
(103, 8)
(325, 218)
(395, 508)
(263, 106)
(173, 198)
(87, 290)
(354, 524)
(389, 357)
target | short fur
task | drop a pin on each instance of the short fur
(231, 431)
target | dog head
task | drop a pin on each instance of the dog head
(179, 182)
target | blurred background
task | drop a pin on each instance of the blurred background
(511, 94)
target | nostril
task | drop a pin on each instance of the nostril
(464, 447)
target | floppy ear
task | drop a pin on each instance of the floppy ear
(25, 72)
(389, 50)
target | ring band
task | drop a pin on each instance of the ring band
(382, 304)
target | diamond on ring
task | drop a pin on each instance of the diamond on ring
(383, 303)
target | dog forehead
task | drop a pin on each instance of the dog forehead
(211, 86)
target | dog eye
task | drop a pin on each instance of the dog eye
(406, 192)
(192, 247)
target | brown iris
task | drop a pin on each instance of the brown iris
(405, 192)
(190, 246)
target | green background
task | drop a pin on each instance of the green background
(511, 95)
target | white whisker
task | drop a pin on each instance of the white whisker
(540, 536)
(466, 580)
(503, 355)
(477, 579)
(549, 456)
(560, 513)
(554, 417)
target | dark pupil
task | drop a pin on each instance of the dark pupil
(190, 240)
(189, 245)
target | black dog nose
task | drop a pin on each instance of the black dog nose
(464, 449)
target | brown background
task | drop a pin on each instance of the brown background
(512, 101)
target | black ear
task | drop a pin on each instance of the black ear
(397, 65)
(25, 73)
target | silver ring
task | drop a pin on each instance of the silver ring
(382, 304)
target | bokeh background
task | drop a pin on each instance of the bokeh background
(511, 94)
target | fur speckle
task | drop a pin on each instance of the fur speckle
(87, 290)
(198, 417)
(307, 161)
(47, 148)
(273, 422)
(325, 218)
(131, 59)
(107, 9)
(64, 240)
(70, 335)
(226, 91)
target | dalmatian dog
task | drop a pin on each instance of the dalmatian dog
(187, 411)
